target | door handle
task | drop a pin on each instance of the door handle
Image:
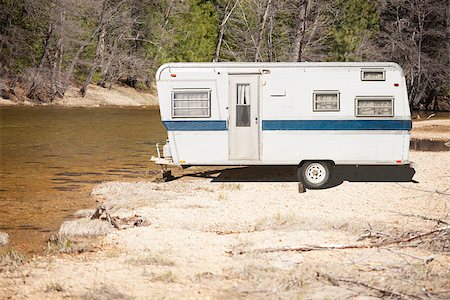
(256, 120)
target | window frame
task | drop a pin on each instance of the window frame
(383, 71)
(173, 108)
(326, 92)
(376, 98)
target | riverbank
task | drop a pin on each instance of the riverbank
(118, 95)
(213, 234)
(432, 130)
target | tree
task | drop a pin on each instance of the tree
(355, 23)
(195, 27)
(413, 34)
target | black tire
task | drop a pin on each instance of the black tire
(314, 174)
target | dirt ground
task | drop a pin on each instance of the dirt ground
(433, 130)
(223, 234)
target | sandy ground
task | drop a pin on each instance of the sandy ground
(97, 96)
(6, 102)
(206, 235)
(434, 130)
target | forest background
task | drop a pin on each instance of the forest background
(47, 46)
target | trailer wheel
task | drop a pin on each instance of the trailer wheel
(314, 174)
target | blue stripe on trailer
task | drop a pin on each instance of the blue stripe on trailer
(295, 125)
(195, 125)
(337, 125)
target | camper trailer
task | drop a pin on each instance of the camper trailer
(310, 115)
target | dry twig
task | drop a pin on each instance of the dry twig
(439, 221)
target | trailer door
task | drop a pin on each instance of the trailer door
(243, 126)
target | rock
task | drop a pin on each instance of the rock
(4, 239)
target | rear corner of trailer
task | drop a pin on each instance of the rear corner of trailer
(403, 112)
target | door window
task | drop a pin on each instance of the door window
(243, 105)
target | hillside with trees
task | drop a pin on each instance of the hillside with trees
(47, 46)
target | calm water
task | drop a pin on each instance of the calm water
(51, 157)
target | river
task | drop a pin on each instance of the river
(51, 157)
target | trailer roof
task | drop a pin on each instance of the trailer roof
(230, 65)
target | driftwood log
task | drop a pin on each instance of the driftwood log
(102, 210)
(102, 213)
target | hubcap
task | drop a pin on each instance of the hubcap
(315, 173)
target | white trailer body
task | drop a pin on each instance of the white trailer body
(285, 113)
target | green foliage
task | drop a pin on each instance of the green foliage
(355, 21)
(196, 33)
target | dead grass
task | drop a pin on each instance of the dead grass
(206, 189)
(166, 277)
(294, 280)
(231, 186)
(11, 258)
(275, 221)
(54, 287)
(151, 259)
(62, 244)
(85, 228)
(105, 292)
(4, 239)
(222, 196)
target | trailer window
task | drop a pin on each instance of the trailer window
(373, 75)
(191, 104)
(243, 105)
(326, 100)
(374, 106)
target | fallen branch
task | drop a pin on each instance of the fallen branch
(425, 260)
(307, 248)
(385, 292)
(439, 221)
(425, 191)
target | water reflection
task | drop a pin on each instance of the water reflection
(50, 158)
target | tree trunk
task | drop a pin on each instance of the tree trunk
(74, 62)
(98, 52)
(170, 6)
(105, 67)
(103, 22)
(448, 33)
(226, 16)
(261, 31)
(270, 40)
(32, 91)
(297, 46)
